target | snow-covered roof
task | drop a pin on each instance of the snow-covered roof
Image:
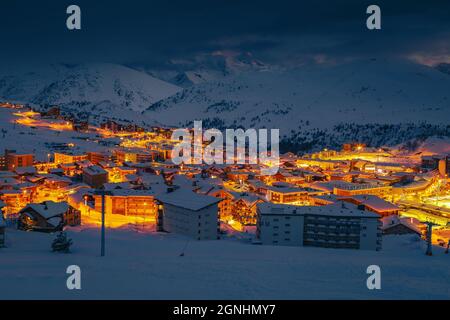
(393, 220)
(132, 193)
(187, 199)
(25, 170)
(118, 185)
(335, 210)
(48, 209)
(374, 202)
(93, 170)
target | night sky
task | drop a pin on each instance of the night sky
(285, 32)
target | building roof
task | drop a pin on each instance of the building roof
(48, 209)
(187, 199)
(132, 193)
(393, 221)
(374, 202)
(335, 210)
(25, 170)
(93, 170)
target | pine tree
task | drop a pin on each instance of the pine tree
(61, 243)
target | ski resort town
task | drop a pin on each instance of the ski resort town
(56, 173)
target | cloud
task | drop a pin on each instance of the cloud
(282, 31)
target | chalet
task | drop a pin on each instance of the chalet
(47, 216)
(374, 204)
(226, 204)
(239, 176)
(190, 214)
(397, 225)
(257, 186)
(244, 208)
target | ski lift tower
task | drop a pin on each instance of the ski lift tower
(102, 193)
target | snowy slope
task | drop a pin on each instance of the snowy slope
(86, 87)
(218, 269)
(206, 68)
(360, 92)
(314, 100)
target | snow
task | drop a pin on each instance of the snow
(364, 91)
(187, 199)
(374, 202)
(49, 209)
(98, 90)
(335, 209)
(94, 170)
(148, 266)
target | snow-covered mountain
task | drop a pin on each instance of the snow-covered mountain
(107, 89)
(206, 68)
(313, 100)
(374, 101)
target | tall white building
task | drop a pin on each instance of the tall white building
(340, 225)
(188, 213)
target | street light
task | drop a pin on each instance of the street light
(102, 193)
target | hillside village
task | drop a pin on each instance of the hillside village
(348, 198)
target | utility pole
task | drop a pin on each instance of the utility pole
(103, 226)
(429, 236)
(102, 193)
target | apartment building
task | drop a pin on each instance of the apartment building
(14, 160)
(60, 158)
(95, 176)
(190, 214)
(339, 225)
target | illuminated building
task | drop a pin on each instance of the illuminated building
(225, 205)
(332, 226)
(95, 176)
(190, 214)
(47, 216)
(374, 204)
(69, 157)
(14, 160)
(431, 162)
(128, 202)
(286, 194)
(119, 174)
(97, 157)
(244, 209)
(138, 156)
(238, 176)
